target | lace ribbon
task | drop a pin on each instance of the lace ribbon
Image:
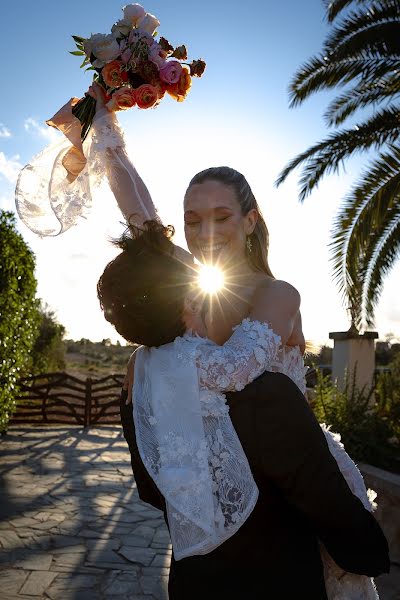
(50, 201)
(191, 450)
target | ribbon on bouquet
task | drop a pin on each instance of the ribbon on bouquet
(65, 121)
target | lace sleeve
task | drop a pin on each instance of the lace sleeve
(108, 154)
(54, 190)
(246, 355)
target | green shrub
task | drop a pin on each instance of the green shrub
(48, 352)
(368, 424)
(18, 312)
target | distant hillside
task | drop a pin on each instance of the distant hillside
(85, 358)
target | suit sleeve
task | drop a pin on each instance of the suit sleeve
(148, 492)
(311, 481)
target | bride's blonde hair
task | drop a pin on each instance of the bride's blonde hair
(257, 249)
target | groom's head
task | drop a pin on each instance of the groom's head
(142, 291)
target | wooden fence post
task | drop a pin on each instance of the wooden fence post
(88, 402)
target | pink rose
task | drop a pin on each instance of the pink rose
(133, 13)
(122, 99)
(157, 55)
(171, 72)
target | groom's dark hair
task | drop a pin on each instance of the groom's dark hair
(142, 290)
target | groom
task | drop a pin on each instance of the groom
(303, 498)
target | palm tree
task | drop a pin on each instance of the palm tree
(362, 55)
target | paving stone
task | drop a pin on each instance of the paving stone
(39, 562)
(143, 556)
(45, 525)
(161, 560)
(126, 588)
(77, 549)
(103, 543)
(88, 533)
(63, 541)
(135, 540)
(65, 582)
(156, 571)
(104, 555)
(161, 545)
(11, 580)
(22, 522)
(162, 535)
(158, 586)
(37, 583)
(69, 560)
(144, 531)
(9, 539)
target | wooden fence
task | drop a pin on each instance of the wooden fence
(63, 398)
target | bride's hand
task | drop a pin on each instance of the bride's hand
(97, 92)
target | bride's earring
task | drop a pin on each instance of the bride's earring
(249, 244)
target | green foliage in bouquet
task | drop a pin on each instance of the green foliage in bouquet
(367, 419)
(18, 312)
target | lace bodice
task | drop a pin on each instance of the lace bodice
(252, 349)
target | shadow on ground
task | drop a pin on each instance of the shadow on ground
(71, 523)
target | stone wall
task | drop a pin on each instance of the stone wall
(387, 486)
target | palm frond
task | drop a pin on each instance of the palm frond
(371, 33)
(327, 156)
(380, 264)
(319, 73)
(361, 95)
(335, 7)
(366, 209)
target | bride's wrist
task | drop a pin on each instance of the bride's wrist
(102, 112)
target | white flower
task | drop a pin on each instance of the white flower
(105, 47)
(133, 13)
(122, 27)
(98, 64)
(149, 23)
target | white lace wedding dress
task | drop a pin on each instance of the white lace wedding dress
(252, 349)
(49, 205)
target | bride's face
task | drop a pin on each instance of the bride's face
(215, 228)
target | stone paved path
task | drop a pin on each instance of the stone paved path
(72, 526)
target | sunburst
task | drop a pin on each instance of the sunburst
(211, 279)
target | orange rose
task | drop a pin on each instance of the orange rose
(122, 99)
(179, 90)
(146, 95)
(161, 88)
(113, 74)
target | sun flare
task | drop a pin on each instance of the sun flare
(211, 279)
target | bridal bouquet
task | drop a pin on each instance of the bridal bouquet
(132, 66)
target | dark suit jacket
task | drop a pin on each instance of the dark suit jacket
(303, 498)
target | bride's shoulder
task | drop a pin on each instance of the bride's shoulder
(272, 290)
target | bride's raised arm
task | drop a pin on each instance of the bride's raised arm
(131, 193)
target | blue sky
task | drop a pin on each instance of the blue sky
(237, 114)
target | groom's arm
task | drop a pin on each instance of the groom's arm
(146, 487)
(295, 456)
